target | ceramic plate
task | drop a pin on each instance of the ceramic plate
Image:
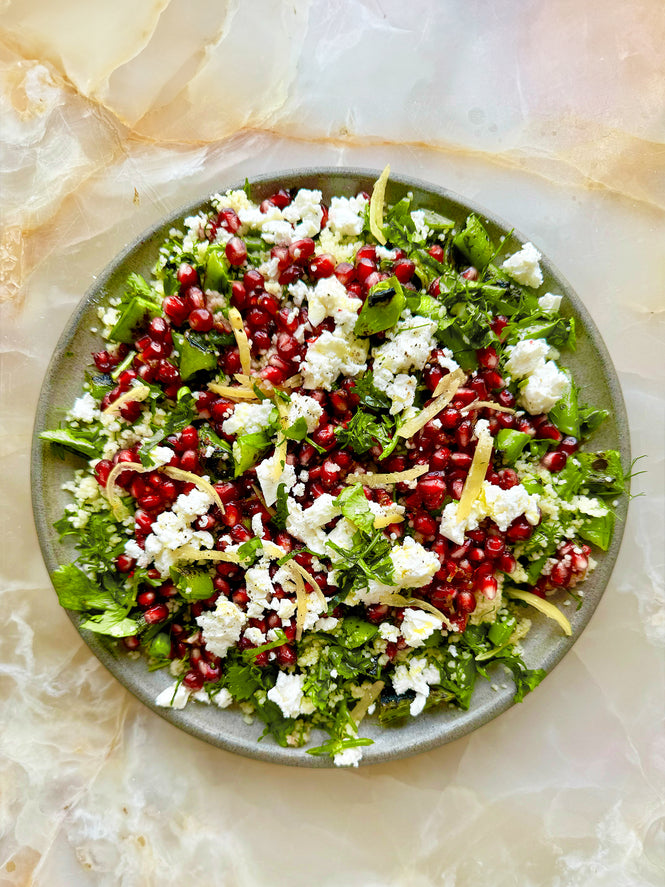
(544, 646)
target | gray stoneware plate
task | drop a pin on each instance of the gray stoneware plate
(545, 645)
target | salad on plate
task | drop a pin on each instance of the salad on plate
(334, 465)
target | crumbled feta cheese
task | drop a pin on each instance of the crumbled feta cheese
(526, 356)
(259, 588)
(346, 215)
(418, 676)
(329, 298)
(307, 408)
(546, 386)
(288, 695)
(524, 267)
(174, 696)
(418, 625)
(481, 427)
(332, 354)
(422, 230)
(502, 506)
(271, 475)
(307, 524)
(586, 505)
(161, 456)
(389, 632)
(446, 361)
(222, 626)
(192, 504)
(255, 636)
(349, 757)
(85, 408)
(550, 303)
(249, 418)
(407, 347)
(413, 565)
(257, 525)
(305, 213)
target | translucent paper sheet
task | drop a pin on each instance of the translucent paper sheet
(550, 115)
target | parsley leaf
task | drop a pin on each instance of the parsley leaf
(364, 431)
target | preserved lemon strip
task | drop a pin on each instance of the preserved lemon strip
(311, 581)
(231, 393)
(376, 206)
(385, 520)
(452, 383)
(137, 394)
(118, 509)
(187, 553)
(369, 696)
(486, 404)
(259, 496)
(393, 477)
(188, 477)
(398, 600)
(301, 598)
(544, 606)
(242, 341)
(474, 480)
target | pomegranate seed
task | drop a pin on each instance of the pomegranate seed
(432, 376)
(364, 268)
(494, 381)
(461, 461)
(377, 612)
(425, 524)
(269, 304)
(450, 417)
(569, 445)
(554, 461)
(436, 252)
(440, 458)
(488, 358)
(201, 320)
(548, 431)
(236, 251)
(465, 602)
(189, 461)
(345, 272)
(560, 574)
(143, 521)
(434, 289)
(253, 280)
(324, 436)
(150, 502)
(190, 437)
(146, 598)
(290, 274)
(432, 491)
(176, 309)
(102, 471)
(507, 563)
(322, 266)
(302, 249)
(156, 614)
(187, 275)
(131, 643)
(487, 586)
(470, 273)
(281, 199)
(494, 547)
(193, 680)
(519, 530)
(404, 270)
(366, 252)
(228, 218)
(257, 319)
(507, 478)
(124, 563)
(499, 323)
(194, 298)
(286, 655)
(103, 361)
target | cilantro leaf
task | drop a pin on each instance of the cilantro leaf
(370, 396)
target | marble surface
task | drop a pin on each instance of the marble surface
(550, 115)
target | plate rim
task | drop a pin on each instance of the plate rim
(465, 722)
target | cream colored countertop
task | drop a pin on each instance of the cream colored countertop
(548, 114)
